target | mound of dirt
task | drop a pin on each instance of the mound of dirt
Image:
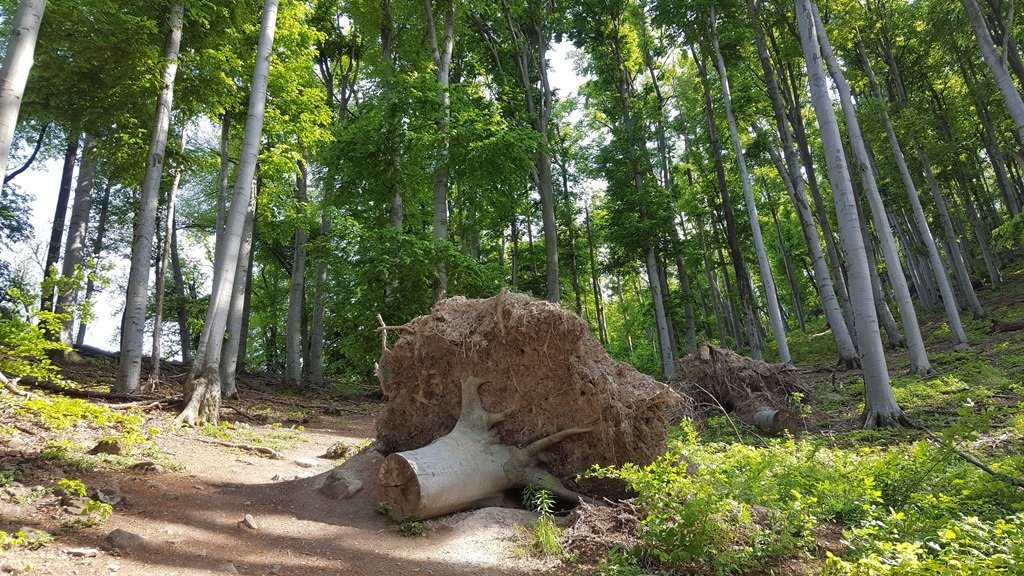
(594, 531)
(720, 377)
(541, 365)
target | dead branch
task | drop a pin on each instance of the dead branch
(261, 450)
(974, 461)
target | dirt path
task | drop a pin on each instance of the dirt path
(190, 518)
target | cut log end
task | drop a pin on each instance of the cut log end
(399, 486)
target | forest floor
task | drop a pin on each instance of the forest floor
(186, 493)
(181, 496)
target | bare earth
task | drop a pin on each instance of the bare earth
(191, 517)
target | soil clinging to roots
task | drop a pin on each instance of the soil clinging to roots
(540, 365)
(740, 385)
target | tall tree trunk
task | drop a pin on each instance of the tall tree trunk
(938, 270)
(222, 174)
(792, 177)
(97, 249)
(393, 128)
(880, 407)
(203, 386)
(739, 264)
(316, 331)
(767, 281)
(133, 325)
(1011, 96)
(919, 363)
(787, 262)
(17, 64)
(595, 282)
(539, 110)
(442, 62)
(161, 276)
(60, 214)
(296, 288)
(184, 333)
(236, 325)
(74, 250)
(953, 254)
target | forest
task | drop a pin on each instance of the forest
(264, 191)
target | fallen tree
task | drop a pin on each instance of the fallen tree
(759, 393)
(488, 395)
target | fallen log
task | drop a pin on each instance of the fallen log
(486, 395)
(467, 468)
(1001, 326)
(764, 395)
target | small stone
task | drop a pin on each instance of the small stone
(275, 569)
(249, 522)
(282, 478)
(147, 466)
(109, 495)
(307, 463)
(107, 446)
(336, 451)
(341, 485)
(113, 566)
(124, 541)
(35, 534)
(82, 552)
(228, 567)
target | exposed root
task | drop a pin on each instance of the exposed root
(261, 450)
(203, 404)
(11, 385)
(873, 418)
(848, 362)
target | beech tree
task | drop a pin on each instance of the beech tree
(202, 387)
(17, 64)
(133, 324)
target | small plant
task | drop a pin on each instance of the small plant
(33, 541)
(96, 512)
(410, 527)
(546, 535)
(70, 487)
(384, 508)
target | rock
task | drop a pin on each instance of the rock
(107, 446)
(82, 552)
(337, 451)
(228, 567)
(248, 522)
(307, 463)
(109, 495)
(35, 535)
(74, 505)
(147, 466)
(341, 485)
(282, 478)
(14, 567)
(124, 541)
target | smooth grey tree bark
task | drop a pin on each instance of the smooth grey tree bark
(1011, 96)
(746, 292)
(792, 177)
(880, 407)
(937, 268)
(74, 248)
(296, 289)
(18, 60)
(203, 386)
(442, 54)
(316, 329)
(767, 281)
(237, 326)
(184, 333)
(919, 363)
(161, 273)
(595, 281)
(133, 325)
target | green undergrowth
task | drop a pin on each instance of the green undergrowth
(277, 437)
(902, 509)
